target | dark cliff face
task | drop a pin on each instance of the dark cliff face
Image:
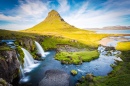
(9, 65)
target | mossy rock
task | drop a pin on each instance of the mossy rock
(74, 72)
(89, 77)
(4, 83)
(5, 48)
(21, 54)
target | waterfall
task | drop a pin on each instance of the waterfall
(28, 59)
(22, 75)
(22, 72)
(40, 49)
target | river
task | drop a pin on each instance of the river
(98, 67)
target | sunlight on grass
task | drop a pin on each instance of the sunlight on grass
(76, 57)
(123, 46)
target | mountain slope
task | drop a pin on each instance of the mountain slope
(53, 22)
(55, 25)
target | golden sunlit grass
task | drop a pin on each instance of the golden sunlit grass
(123, 46)
(56, 26)
(83, 36)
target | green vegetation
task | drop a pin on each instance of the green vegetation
(21, 54)
(51, 42)
(123, 46)
(76, 57)
(4, 48)
(120, 75)
(74, 72)
(55, 25)
(6, 34)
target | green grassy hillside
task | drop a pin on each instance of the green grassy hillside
(56, 26)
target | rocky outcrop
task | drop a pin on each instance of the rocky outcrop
(28, 43)
(67, 48)
(9, 65)
(55, 78)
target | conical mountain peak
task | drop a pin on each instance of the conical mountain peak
(53, 16)
(53, 22)
(53, 12)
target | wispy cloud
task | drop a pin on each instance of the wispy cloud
(111, 14)
(64, 6)
(35, 8)
(29, 12)
(81, 14)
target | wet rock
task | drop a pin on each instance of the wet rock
(38, 54)
(81, 79)
(89, 77)
(109, 48)
(9, 65)
(77, 84)
(55, 78)
(27, 43)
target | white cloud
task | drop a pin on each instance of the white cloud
(9, 18)
(92, 18)
(31, 12)
(31, 8)
(16, 27)
(28, 12)
(64, 6)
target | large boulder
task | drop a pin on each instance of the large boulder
(55, 78)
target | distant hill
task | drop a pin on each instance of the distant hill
(111, 28)
(117, 28)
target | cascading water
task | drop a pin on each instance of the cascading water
(22, 72)
(40, 49)
(29, 65)
(28, 59)
(22, 75)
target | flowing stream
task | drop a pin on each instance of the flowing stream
(98, 67)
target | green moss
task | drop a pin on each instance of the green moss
(4, 48)
(21, 54)
(74, 72)
(3, 82)
(76, 57)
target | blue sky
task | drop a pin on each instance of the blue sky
(23, 14)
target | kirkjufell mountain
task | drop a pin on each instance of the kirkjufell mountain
(53, 22)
